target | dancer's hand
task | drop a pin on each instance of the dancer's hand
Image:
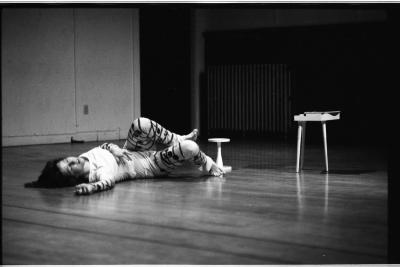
(122, 156)
(216, 170)
(84, 189)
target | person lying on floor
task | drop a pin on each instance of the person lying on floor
(101, 167)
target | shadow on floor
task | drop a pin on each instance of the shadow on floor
(177, 179)
(349, 172)
(266, 166)
(292, 169)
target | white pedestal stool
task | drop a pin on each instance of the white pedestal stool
(323, 117)
(219, 153)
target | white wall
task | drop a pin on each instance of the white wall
(55, 61)
(220, 19)
(37, 73)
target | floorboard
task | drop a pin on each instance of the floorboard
(260, 213)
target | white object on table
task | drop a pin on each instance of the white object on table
(323, 117)
(219, 153)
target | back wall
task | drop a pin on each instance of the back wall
(69, 72)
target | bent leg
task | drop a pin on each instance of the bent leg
(187, 151)
(144, 134)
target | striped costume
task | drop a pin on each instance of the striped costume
(179, 156)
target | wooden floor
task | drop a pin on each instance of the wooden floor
(261, 213)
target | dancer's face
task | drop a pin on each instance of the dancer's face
(73, 166)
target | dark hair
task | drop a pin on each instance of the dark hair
(52, 177)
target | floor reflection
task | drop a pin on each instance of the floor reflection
(326, 198)
(300, 198)
(214, 187)
(301, 195)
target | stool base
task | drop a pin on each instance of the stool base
(227, 169)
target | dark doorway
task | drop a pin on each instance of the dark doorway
(333, 67)
(165, 65)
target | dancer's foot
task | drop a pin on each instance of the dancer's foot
(216, 170)
(192, 136)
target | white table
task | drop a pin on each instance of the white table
(323, 117)
(219, 153)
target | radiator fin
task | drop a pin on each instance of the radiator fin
(249, 98)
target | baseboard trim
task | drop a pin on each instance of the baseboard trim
(63, 138)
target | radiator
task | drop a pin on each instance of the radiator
(249, 98)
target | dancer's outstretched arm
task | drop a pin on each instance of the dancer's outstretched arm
(105, 177)
(106, 182)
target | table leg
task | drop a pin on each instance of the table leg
(219, 156)
(303, 138)
(299, 132)
(325, 145)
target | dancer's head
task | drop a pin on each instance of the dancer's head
(61, 172)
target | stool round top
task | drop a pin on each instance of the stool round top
(219, 140)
